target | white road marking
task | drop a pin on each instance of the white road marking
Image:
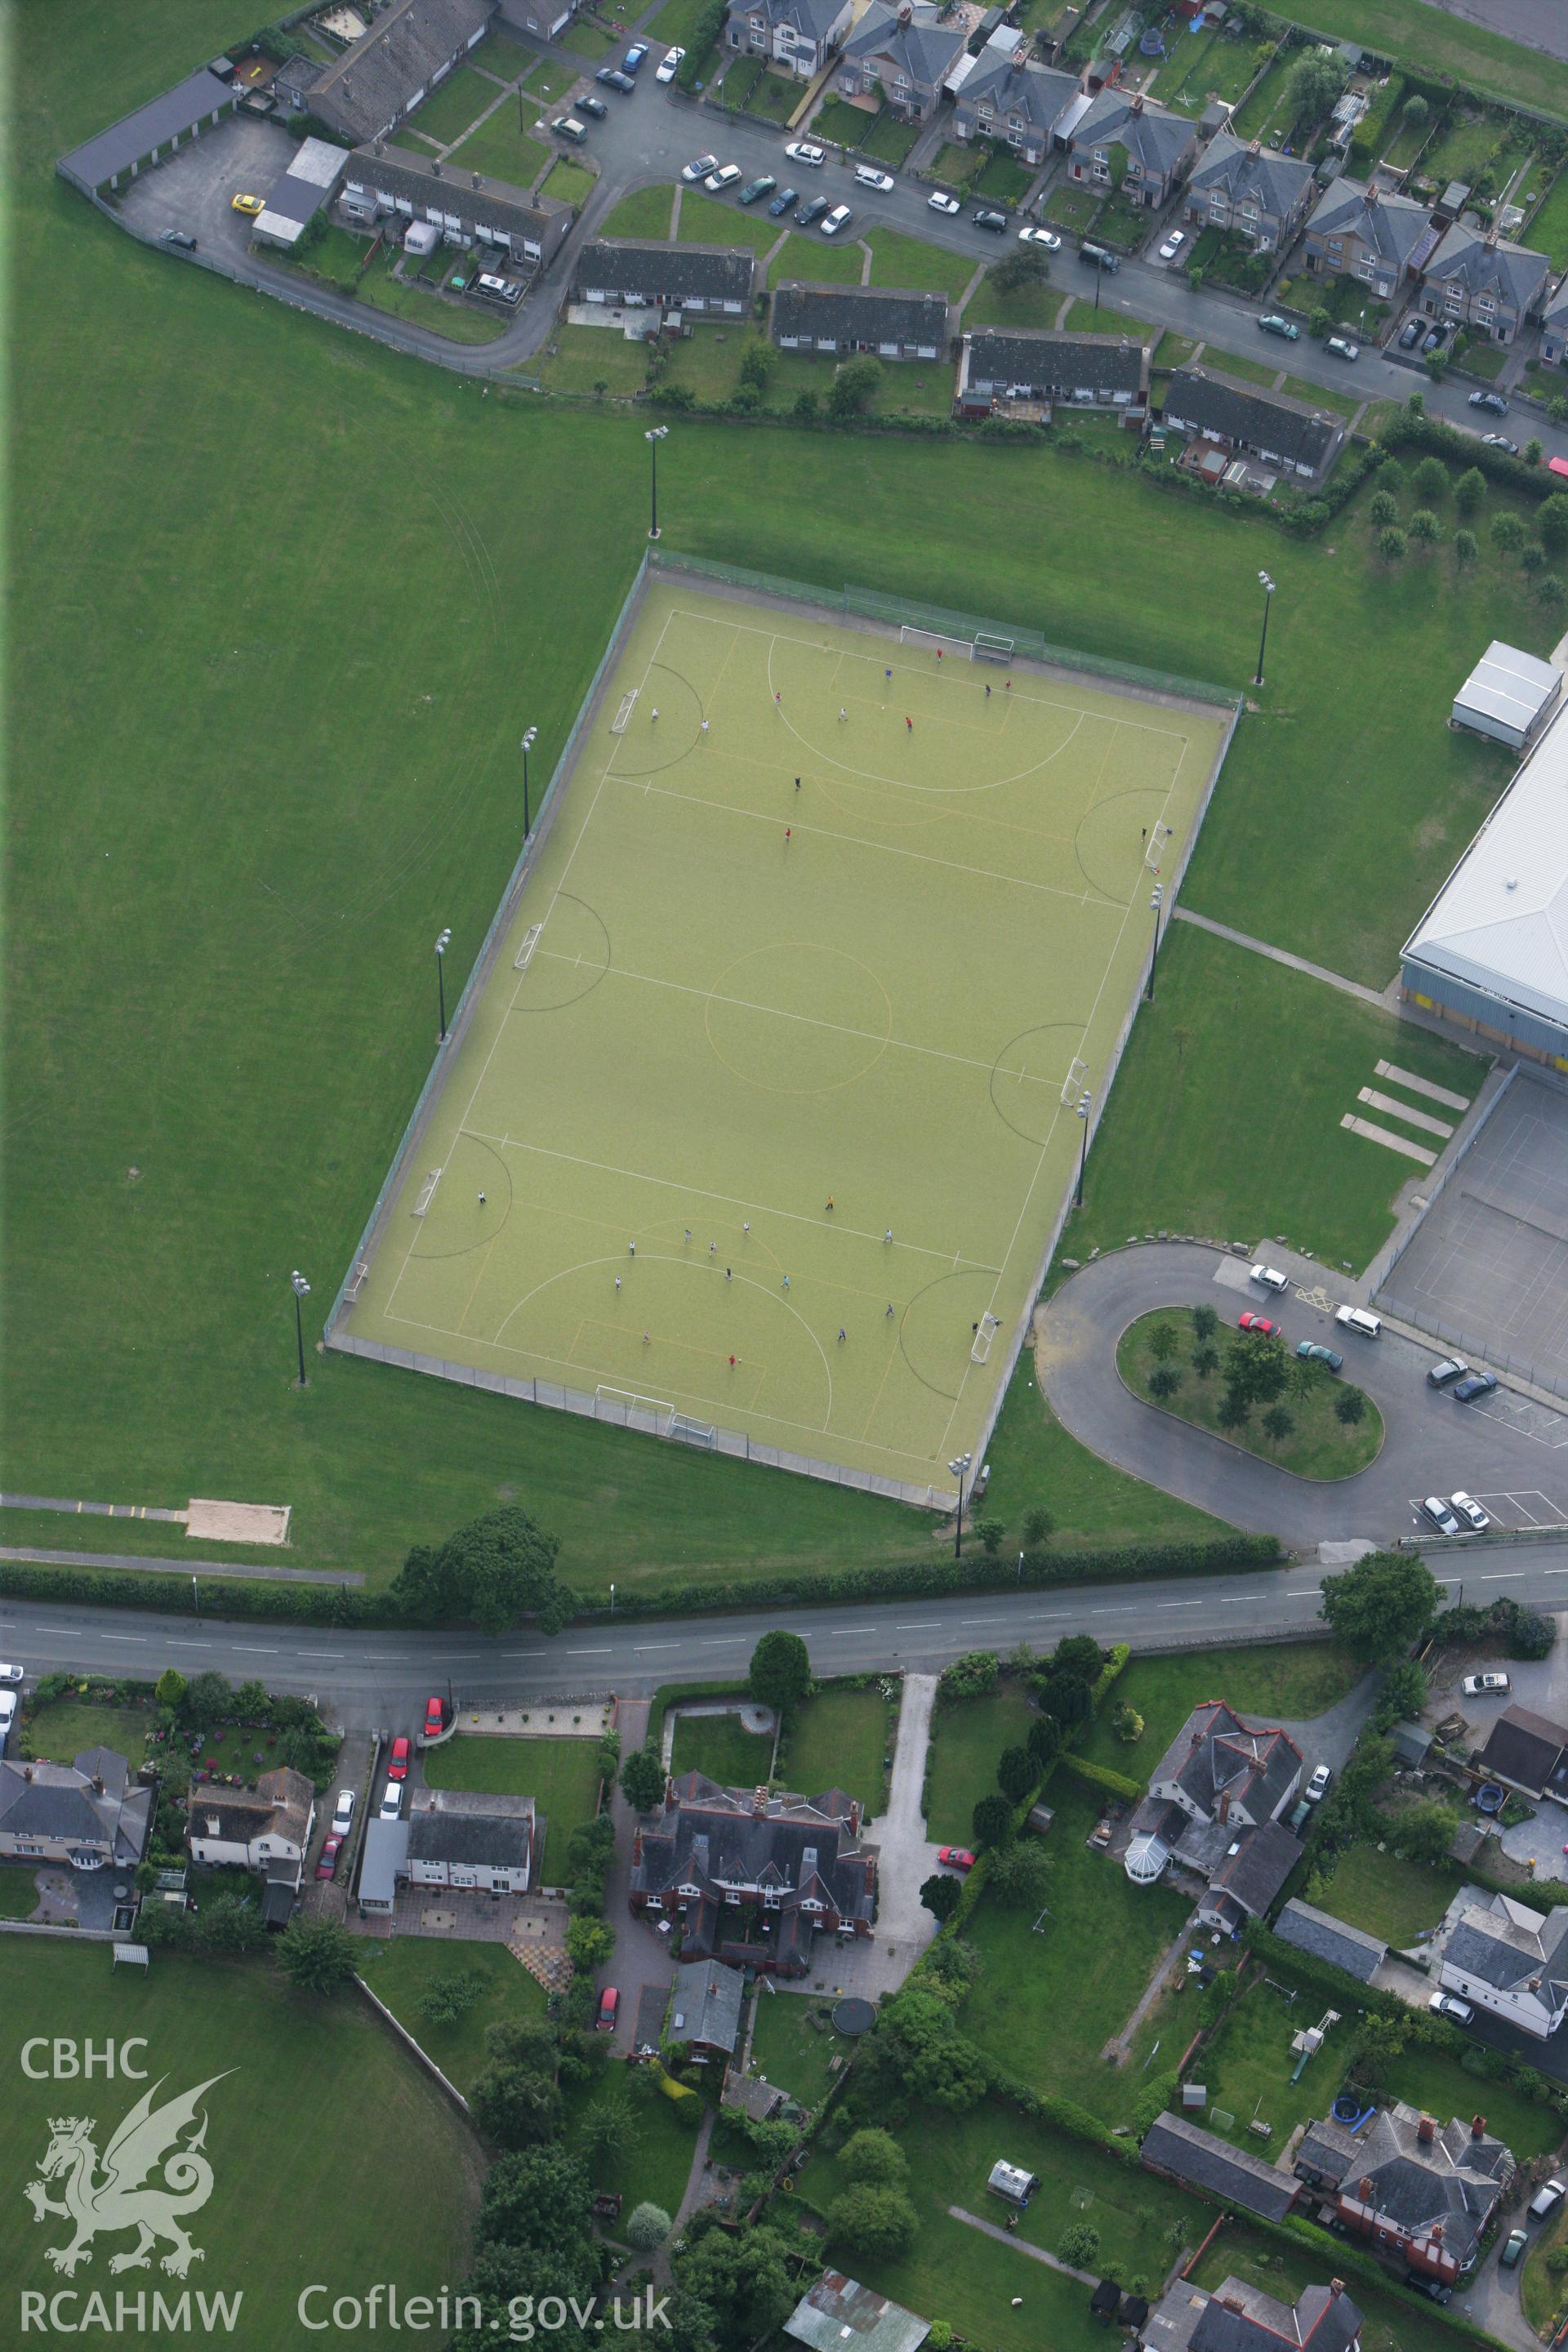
(926, 1625)
(137, 1641)
(251, 1651)
(643, 1646)
(571, 1654)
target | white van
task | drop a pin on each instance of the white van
(1359, 1320)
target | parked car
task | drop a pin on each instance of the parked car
(670, 65)
(804, 151)
(1359, 1320)
(1492, 401)
(326, 1867)
(1499, 441)
(1441, 1517)
(812, 210)
(1342, 348)
(1517, 2243)
(1485, 1685)
(1096, 257)
(1447, 1369)
(614, 79)
(1273, 324)
(1312, 1351)
(594, 106)
(12, 1674)
(1435, 2290)
(1172, 245)
(868, 176)
(566, 126)
(956, 1857)
(1260, 1323)
(1046, 237)
(724, 177)
(7, 1714)
(1449, 2005)
(782, 203)
(1269, 1276)
(988, 217)
(342, 1818)
(1547, 2197)
(698, 168)
(1471, 1511)
(179, 236)
(397, 1762)
(1435, 338)
(609, 2001)
(942, 203)
(755, 190)
(1477, 1384)
(840, 217)
(435, 1718)
(391, 1801)
(1409, 335)
(634, 57)
(1317, 1786)
(251, 204)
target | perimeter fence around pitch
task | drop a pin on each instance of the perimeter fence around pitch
(650, 1416)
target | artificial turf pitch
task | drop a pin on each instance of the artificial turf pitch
(765, 1023)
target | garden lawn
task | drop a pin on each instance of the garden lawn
(773, 97)
(1071, 208)
(501, 151)
(584, 357)
(458, 321)
(1548, 229)
(658, 2165)
(309, 2102)
(1247, 2063)
(967, 1735)
(1202, 66)
(1003, 178)
(548, 79)
(1174, 350)
(1289, 1682)
(1320, 396)
(1438, 2085)
(704, 220)
(719, 1746)
(58, 1734)
(18, 1890)
(845, 125)
(398, 1972)
(1249, 371)
(816, 260)
(1466, 145)
(1166, 1154)
(839, 1741)
(1032, 306)
(1083, 319)
(1394, 2322)
(1034, 1461)
(645, 213)
(908, 261)
(1262, 117)
(1390, 1898)
(890, 139)
(562, 1776)
(957, 163)
(334, 255)
(459, 101)
(676, 22)
(508, 58)
(794, 2053)
(1318, 1445)
(1486, 360)
(569, 183)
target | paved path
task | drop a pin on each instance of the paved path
(1280, 955)
(150, 1566)
(907, 1854)
(1036, 2253)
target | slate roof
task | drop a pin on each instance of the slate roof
(670, 273)
(1242, 168)
(278, 1806)
(461, 1825)
(1237, 2317)
(796, 1848)
(1264, 1859)
(62, 1802)
(1455, 2179)
(1057, 363)
(1483, 264)
(168, 116)
(861, 314)
(1245, 415)
(1033, 93)
(1524, 1747)
(1328, 1939)
(369, 86)
(1215, 1754)
(923, 47)
(1204, 2161)
(1506, 1944)
(839, 2314)
(424, 182)
(1393, 227)
(1157, 140)
(705, 2004)
(813, 18)
(1556, 310)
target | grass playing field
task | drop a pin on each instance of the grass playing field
(778, 1106)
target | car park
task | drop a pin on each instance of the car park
(812, 210)
(251, 204)
(634, 57)
(1547, 2198)
(987, 218)
(942, 203)
(588, 104)
(1449, 2005)
(342, 1818)
(1471, 1511)
(1492, 401)
(1359, 1320)
(1447, 1369)
(1268, 1277)
(698, 168)
(724, 177)
(804, 151)
(1312, 1351)
(1409, 335)
(866, 176)
(1172, 245)
(397, 1762)
(179, 236)
(609, 2001)
(614, 79)
(1474, 1384)
(1490, 1685)
(391, 1801)
(1442, 1518)
(1499, 441)
(782, 203)
(1258, 1323)
(755, 190)
(1317, 1786)
(1342, 348)
(668, 65)
(838, 218)
(326, 1867)
(956, 1857)
(566, 126)
(1042, 236)
(1514, 2248)
(1273, 324)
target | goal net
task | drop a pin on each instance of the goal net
(1159, 841)
(426, 1192)
(983, 1339)
(629, 702)
(690, 1432)
(960, 647)
(626, 1406)
(524, 955)
(992, 648)
(1072, 1084)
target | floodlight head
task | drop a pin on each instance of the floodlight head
(527, 740)
(441, 940)
(301, 1287)
(1265, 583)
(657, 433)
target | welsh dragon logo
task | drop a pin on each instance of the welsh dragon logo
(119, 2196)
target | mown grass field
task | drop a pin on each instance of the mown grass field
(1286, 1682)
(720, 1746)
(839, 1739)
(1034, 1463)
(1395, 1899)
(562, 1776)
(967, 1737)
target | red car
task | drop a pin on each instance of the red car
(397, 1763)
(956, 1857)
(609, 2001)
(434, 1721)
(1257, 1323)
(328, 1866)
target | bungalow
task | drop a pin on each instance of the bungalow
(1511, 1961)
(700, 281)
(794, 34)
(753, 1874)
(1019, 105)
(524, 233)
(1000, 368)
(1555, 326)
(1286, 434)
(410, 48)
(902, 55)
(86, 1814)
(1356, 231)
(1237, 184)
(836, 319)
(1422, 2193)
(1239, 2317)
(266, 1829)
(1155, 148)
(1234, 2176)
(705, 2008)
(1478, 279)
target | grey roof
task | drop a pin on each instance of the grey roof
(717, 1838)
(839, 2314)
(1055, 364)
(168, 116)
(278, 1806)
(425, 181)
(921, 43)
(1246, 415)
(861, 314)
(1506, 1944)
(372, 83)
(813, 18)
(1116, 116)
(62, 1802)
(1486, 265)
(386, 1855)
(463, 1825)
(1237, 2317)
(1328, 1939)
(1262, 1862)
(1511, 686)
(667, 273)
(1204, 2161)
(1556, 310)
(1524, 1747)
(1393, 227)
(1242, 169)
(1455, 2177)
(705, 2004)
(1033, 94)
(1217, 1754)
(315, 171)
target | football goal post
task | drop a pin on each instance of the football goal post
(983, 1339)
(1159, 842)
(628, 703)
(1072, 1084)
(629, 1409)
(993, 648)
(690, 1432)
(426, 1192)
(524, 955)
(933, 642)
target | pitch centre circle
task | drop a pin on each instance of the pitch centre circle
(798, 1018)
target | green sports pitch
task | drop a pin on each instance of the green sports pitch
(762, 1115)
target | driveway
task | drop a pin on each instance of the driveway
(1491, 2299)
(641, 1966)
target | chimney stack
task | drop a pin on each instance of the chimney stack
(1426, 2131)
(1477, 2126)
(759, 1801)
(1336, 2286)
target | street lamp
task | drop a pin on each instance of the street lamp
(958, 1469)
(612, 1600)
(195, 1597)
(1156, 900)
(528, 741)
(655, 434)
(302, 1291)
(1083, 1103)
(1267, 587)
(442, 941)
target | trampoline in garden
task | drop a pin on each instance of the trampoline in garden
(852, 2016)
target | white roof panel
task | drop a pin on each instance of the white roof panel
(1509, 686)
(319, 162)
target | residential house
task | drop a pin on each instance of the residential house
(901, 55)
(1286, 434)
(1510, 1961)
(1237, 2317)
(1357, 231)
(460, 1837)
(1419, 2192)
(705, 2008)
(794, 34)
(753, 1875)
(522, 234)
(1249, 190)
(1555, 326)
(1328, 1939)
(845, 319)
(266, 1829)
(1158, 147)
(1234, 2176)
(1477, 280)
(1018, 106)
(700, 281)
(410, 46)
(839, 2314)
(1019, 369)
(1213, 1808)
(1528, 1752)
(87, 1815)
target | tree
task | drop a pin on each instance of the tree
(806, 407)
(1019, 1876)
(1314, 83)
(1025, 266)
(992, 1821)
(1532, 453)
(516, 2106)
(318, 1956)
(1045, 1739)
(853, 386)
(1163, 1382)
(990, 1533)
(1552, 522)
(611, 2128)
(940, 1896)
(1017, 1772)
(1470, 491)
(1078, 2245)
(1392, 544)
(1402, 1695)
(1257, 1369)
(1466, 548)
(601, 387)
(1164, 1341)
(647, 2227)
(1205, 1362)
(745, 2280)
(975, 1676)
(1077, 1657)
(780, 1673)
(1414, 110)
(497, 1569)
(1382, 1605)
(642, 1778)
(170, 1685)
(1551, 592)
(1278, 1424)
(1532, 557)
(1127, 1724)
(1424, 1830)
(1349, 1407)
(208, 1701)
(1318, 323)
(589, 1943)
(1532, 1635)
(881, 2222)
(1038, 1527)
(873, 2158)
(756, 364)
(253, 1702)
(1424, 528)
(1430, 480)
(1233, 1410)
(447, 1998)
(1382, 509)
(1507, 533)
(1206, 1323)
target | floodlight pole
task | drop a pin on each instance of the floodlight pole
(442, 941)
(1156, 901)
(1083, 1103)
(527, 746)
(656, 434)
(301, 1289)
(1267, 587)
(958, 1468)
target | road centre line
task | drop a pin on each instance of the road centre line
(926, 1625)
(642, 1647)
(137, 1641)
(571, 1654)
(250, 1650)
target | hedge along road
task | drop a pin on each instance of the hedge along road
(376, 1678)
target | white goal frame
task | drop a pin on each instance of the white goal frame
(524, 955)
(659, 1410)
(989, 1327)
(1072, 1084)
(1159, 838)
(936, 642)
(618, 724)
(427, 1190)
(690, 1432)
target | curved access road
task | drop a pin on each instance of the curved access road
(1512, 1455)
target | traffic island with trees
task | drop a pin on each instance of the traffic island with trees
(1250, 1389)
